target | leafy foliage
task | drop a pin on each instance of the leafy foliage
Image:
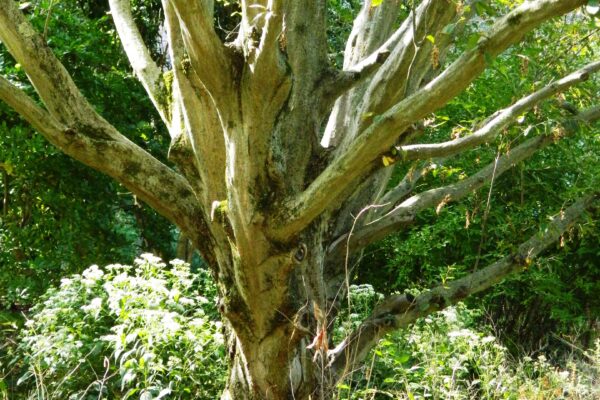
(147, 331)
(556, 293)
(58, 214)
(449, 356)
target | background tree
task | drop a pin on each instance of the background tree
(278, 155)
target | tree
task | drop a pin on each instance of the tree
(278, 156)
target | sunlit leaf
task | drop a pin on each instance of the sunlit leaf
(387, 160)
(472, 40)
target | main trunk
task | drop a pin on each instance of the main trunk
(273, 314)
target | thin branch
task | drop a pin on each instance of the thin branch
(592, 114)
(6, 197)
(497, 122)
(403, 214)
(407, 184)
(145, 68)
(378, 138)
(399, 311)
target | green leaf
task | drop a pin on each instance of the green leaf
(8, 167)
(376, 3)
(146, 395)
(23, 378)
(163, 393)
(404, 358)
(489, 60)
(448, 29)
(430, 38)
(483, 8)
(472, 40)
(367, 115)
(130, 393)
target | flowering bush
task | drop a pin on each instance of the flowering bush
(447, 356)
(146, 331)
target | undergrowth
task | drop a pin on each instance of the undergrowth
(151, 331)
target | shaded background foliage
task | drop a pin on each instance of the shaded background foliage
(60, 215)
(556, 295)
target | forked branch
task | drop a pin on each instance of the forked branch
(497, 122)
(208, 56)
(383, 133)
(153, 182)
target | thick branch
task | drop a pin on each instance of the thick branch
(399, 311)
(306, 40)
(198, 146)
(74, 127)
(50, 79)
(383, 133)
(153, 182)
(145, 68)
(208, 56)
(497, 122)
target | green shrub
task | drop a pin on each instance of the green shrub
(125, 332)
(448, 356)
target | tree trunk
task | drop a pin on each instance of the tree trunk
(274, 314)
